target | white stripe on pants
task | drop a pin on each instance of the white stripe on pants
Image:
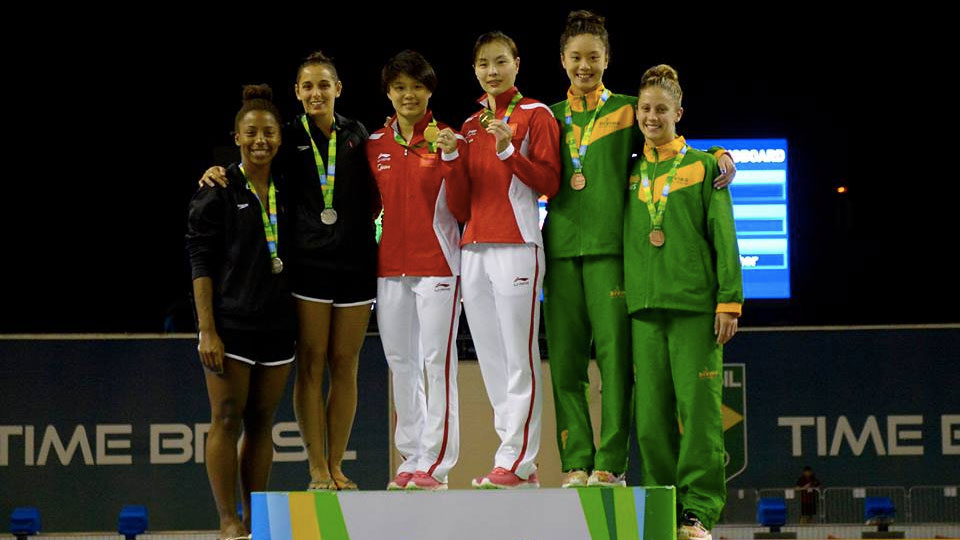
(501, 293)
(418, 319)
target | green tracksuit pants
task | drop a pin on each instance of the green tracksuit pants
(679, 374)
(584, 301)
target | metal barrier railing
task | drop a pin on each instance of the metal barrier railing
(741, 506)
(846, 504)
(934, 504)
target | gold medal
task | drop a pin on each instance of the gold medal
(657, 238)
(486, 117)
(578, 181)
(430, 134)
(276, 265)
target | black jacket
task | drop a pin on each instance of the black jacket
(349, 244)
(225, 241)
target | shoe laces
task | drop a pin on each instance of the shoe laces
(691, 520)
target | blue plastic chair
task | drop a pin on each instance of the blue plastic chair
(132, 521)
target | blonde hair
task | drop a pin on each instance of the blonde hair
(663, 76)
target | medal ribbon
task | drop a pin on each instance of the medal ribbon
(402, 142)
(657, 210)
(513, 103)
(578, 150)
(268, 214)
(327, 174)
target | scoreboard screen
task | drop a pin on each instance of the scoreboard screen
(760, 210)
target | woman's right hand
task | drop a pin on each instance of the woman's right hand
(211, 351)
(213, 177)
(447, 141)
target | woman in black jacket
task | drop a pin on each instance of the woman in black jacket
(238, 239)
(334, 262)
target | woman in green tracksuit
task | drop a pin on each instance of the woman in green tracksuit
(583, 235)
(684, 295)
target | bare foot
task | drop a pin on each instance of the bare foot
(320, 480)
(343, 483)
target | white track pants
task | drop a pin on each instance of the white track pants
(501, 293)
(418, 318)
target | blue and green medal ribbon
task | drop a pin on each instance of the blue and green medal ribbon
(433, 144)
(488, 115)
(268, 214)
(327, 174)
(657, 210)
(579, 149)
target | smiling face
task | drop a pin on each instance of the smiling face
(584, 58)
(657, 115)
(409, 97)
(258, 136)
(317, 89)
(496, 68)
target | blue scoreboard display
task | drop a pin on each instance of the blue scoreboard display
(760, 210)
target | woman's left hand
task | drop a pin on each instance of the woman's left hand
(724, 327)
(728, 170)
(447, 140)
(502, 132)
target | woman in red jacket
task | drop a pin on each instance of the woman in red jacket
(418, 284)
(511, 156)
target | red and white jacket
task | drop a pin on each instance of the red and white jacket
(501, 190)
(420, 233)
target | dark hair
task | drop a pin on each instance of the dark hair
(411, 64)
(490, 37)
(256, 97)
(317, 58)
(581, 22)
(663, 76)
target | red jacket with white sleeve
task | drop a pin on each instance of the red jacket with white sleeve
(501, 190)
(420, 233)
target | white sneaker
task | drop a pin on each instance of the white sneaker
(606, 479)
(574, 479)
(692, 529)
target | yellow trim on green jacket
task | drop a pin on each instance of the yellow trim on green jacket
(698, 267)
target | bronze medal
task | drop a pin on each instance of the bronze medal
(578, 181)
(657, 238)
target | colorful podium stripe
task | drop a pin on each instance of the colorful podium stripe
(607, 514)
(297, 516)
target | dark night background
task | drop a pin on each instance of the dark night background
(124, 117)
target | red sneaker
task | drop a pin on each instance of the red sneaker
(400, 482)
(500, 478)
(425, 482)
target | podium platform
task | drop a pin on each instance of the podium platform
(529, 514)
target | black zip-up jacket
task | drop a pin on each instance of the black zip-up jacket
(349, 245)
(226, 242)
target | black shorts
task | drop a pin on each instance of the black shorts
(342, 289)
(258, 347)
